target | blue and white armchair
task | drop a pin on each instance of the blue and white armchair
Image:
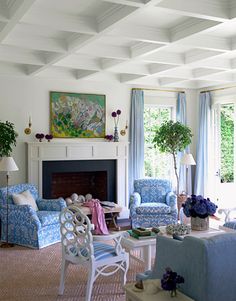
(26, 226)
(153, 203)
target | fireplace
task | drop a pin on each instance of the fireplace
(97, 177)
(66, 156)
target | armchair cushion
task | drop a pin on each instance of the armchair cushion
(24, 198)
(48, 217)
(51, 204)
(153, 208)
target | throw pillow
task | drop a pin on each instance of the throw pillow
(25, 198)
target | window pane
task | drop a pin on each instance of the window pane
(227, 143)
(156, 164)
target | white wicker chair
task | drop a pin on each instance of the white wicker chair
(79, 247)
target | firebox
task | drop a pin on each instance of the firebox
(97, 177)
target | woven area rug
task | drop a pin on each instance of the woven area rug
(32, 275)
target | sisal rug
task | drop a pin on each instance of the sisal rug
(33, 275)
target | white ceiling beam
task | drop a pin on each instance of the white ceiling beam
(37, 43)
(16, 12)
(11, 54)
(11, 69)
(201, 72)
(61, 21)
(84, 74)
(142, 34)
(4, 15)
(216, 63)
(113, 16)
(211, 10)
(208, 42)
(158, 68)
(144, 49)
(226, 77)
(193, 56)
(135, 3)
(125, 78)
(167, 81)
(107, 51)
(80, 62)
(165, 58)
(191, 27)
(110, 63)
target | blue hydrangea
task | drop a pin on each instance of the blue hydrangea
(197, 205)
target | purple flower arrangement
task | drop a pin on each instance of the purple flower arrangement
(40, 136)
(48, 137)
(170, 280)
(198, 206)
(116, 116)
(109, 137)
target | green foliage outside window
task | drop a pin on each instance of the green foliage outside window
(156, 164)
(227, 143)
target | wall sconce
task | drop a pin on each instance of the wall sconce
(28, 129)
(123, 132)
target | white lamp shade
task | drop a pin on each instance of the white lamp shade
(187, 159)
(8, 164)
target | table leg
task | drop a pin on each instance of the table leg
(112, 223)
(147, 257)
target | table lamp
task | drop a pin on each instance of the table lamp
(7, 164)
(187, 160)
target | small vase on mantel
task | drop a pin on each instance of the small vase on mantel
(116, 135)
(199, 224)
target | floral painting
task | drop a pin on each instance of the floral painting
(77, 115)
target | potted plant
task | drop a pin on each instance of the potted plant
(7, 138)
(172, 137)
(199, 208)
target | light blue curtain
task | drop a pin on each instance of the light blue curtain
(181, 116)
(202, 144)
(136, 136)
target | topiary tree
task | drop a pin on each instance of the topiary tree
(172, 137)
(7, 138)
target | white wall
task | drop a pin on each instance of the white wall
(21, 97)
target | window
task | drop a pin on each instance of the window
(227, 143)
(156, 164)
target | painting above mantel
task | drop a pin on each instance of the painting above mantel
(77, 115)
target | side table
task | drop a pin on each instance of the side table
(162, 295)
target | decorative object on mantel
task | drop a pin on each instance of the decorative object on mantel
(199, 209)
(109, 137)
(39, 136)
(123, 132)
(28, 129)
(77, 115)
(170, 280)
(49, 137)
(116, 116)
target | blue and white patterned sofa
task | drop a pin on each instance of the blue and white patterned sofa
(27, 227)
(153, 203)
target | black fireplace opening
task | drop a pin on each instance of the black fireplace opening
(97, 177)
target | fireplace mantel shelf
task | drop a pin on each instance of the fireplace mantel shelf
(79, 150)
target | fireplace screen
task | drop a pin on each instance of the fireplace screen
(97, 177)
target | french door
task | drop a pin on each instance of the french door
(222, 155)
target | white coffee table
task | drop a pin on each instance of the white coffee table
(146, 246)
(132, 295)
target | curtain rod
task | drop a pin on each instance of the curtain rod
(158, 90)
(219, 89)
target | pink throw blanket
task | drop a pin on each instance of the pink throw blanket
(98, 216)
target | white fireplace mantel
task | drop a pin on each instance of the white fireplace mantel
(74, 150)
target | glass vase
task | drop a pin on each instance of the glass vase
(200, 224)
(116, 134)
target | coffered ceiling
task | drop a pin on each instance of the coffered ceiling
(165, 43)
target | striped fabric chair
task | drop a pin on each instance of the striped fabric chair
(80, 247)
